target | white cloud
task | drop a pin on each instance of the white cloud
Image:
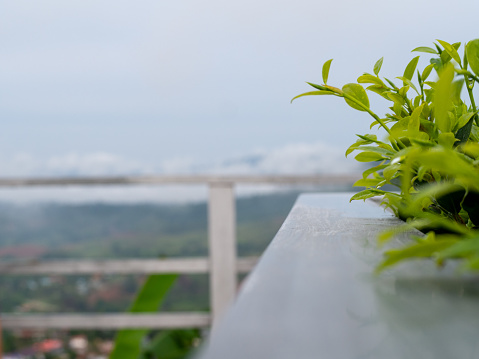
(302, 158)
(315, 158)
(71, 164)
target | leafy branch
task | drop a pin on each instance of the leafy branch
(430, 153)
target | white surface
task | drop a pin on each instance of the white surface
(313, 295)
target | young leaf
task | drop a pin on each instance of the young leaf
(367, 193)
(373, 171)
(396, 98)
(411, 68)
(472, 53)
(367, 182)
(369, 157)
(377, 66)
(446, 139)
(451, 51)
(363, 140)
(464, 59)
(313, 93)
(368, 137)
(414, 122)
(326, 67)
(380, 90)
(392, 84)
(358, 94)
(461, 248)
(408, 82)
(382, 151)
(370, 79)
(419, 250)
(316, 86)
(391, 171)
(464, 119)
(424, 49)
(427, 70)
(443, 100)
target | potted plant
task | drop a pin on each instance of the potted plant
(430, 153)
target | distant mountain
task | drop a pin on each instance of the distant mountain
(141, 230)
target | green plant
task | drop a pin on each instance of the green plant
(167, 344)
(430, 153)
(148, 299)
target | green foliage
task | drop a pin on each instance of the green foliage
(128, 341)
(430, 153)
(171, 344)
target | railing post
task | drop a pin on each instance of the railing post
(222, 247)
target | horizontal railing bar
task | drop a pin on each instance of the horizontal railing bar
(181, 180)
(105, 321)
(121, 266)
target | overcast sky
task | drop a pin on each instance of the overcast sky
(146, 86)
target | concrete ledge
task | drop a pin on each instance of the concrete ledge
(313, 295)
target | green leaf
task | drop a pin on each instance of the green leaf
(424, 49)
(411, 68)
(367, 182)
(445, 57)
(427, 70)
(367, 193)
(456, 92)
(472, 53)
(443, 99)
(369, 137)
(369, 157)
(462, 248)
(414, 122)
(409, 83)
(358, 94)
(314, 93)
(172, 344)
(149, 299)
(326, 67)
(374, 170)
(334, 89)
(380, 90)
(316, 86)
(363, 140)
(419, 250)
(377, 65)
(391, 171)
(370, 79)
(392, 84)
(447, 139)
(382, 151)
(471, 149)
(451, 51)
(396, 98)
(464, 119)
(449, 162)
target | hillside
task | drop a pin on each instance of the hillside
(119, 231)
(142, 230)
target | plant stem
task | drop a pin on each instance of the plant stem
(471, 97)
(376, 117)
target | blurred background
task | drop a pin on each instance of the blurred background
(120, 87)
(146, 87)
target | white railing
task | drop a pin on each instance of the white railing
(222, 263)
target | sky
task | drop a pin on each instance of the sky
(109, 87)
